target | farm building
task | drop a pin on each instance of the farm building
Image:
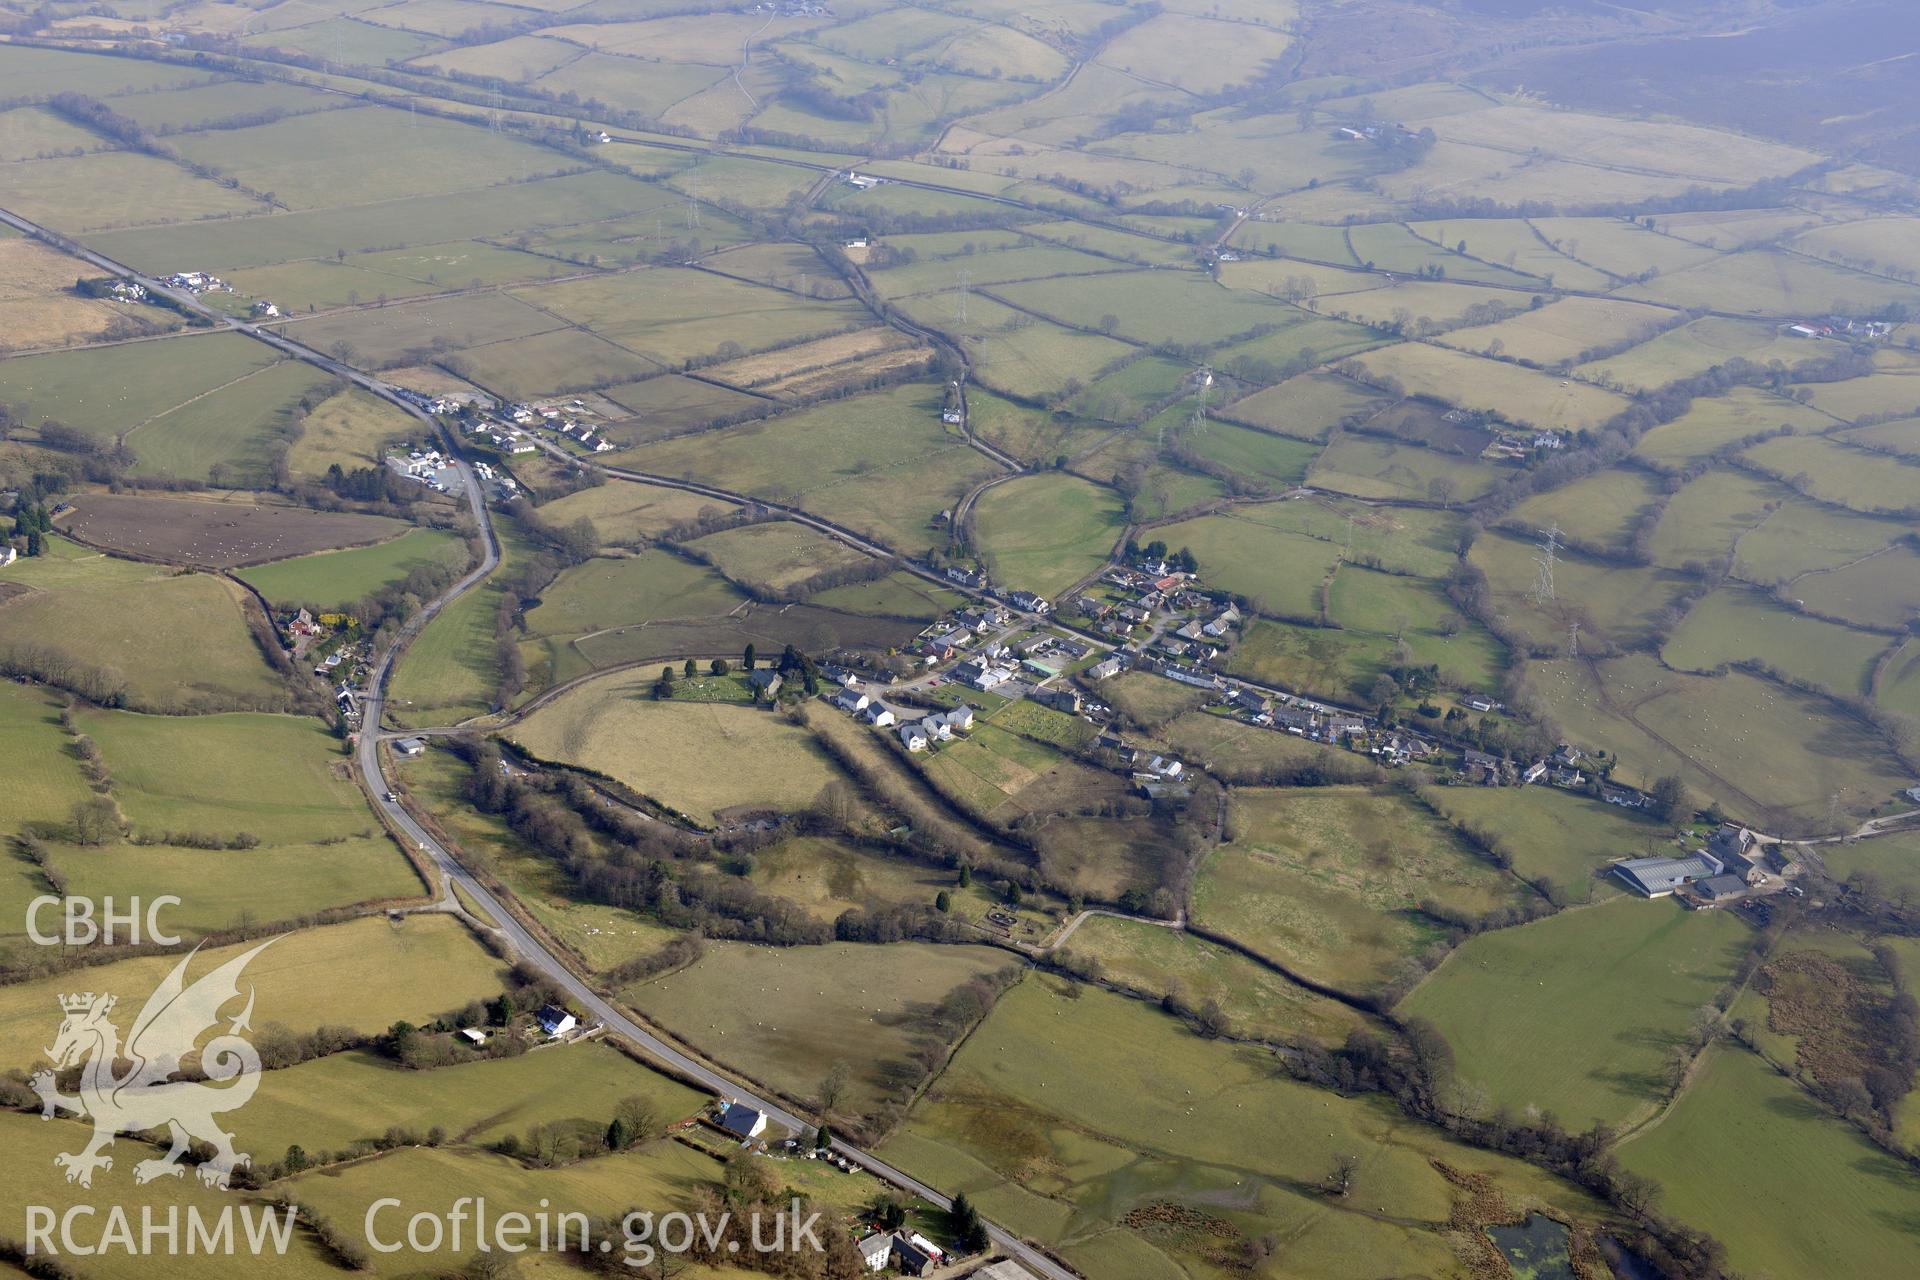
(1004, 1270)
(409, 747)
(743, 1121)
(1715, 890)
(1659, 877)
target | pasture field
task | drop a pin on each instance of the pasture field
(997, 773)
(1420, 616)
(1280, 571)
(1303, 342)
(1556, 836)
(1737, 228)
(362, 154)
(1420, 303)
(1391, 246)
(217, 530)
(1597, 510)
(1835, 473)
(106, 390)
(115, 189)
(1153, 307)
(670, 314)
(1562, 332)
(1513, 243)
(670, 404)
(551, 363)
(337, 578)
(1897, 683)
(1413, 540)
(1151, 700)
(898, 595)
(1368, 467)
(882, 464)
(1901, 437)
(229, 434)
(1044, 533)
(1517, 395)
(1696, 347)
(774, 557)
(382, 337)
(991, 268)
(1891, 242)
(1016, 354)
(1280, 462)
(1128, 394)
(1892, 860)
(233, 244)
(1043, 724)
(1738, 625)
(1709, 515)
(1180, 1121)
(1836, 1204)
(1323, 661)
(1613, 605)
(1575, 1014)
(37, 73)
(450, 671)
(330, 1103)
(1714, 423)
(390, 275)
(348, 38)
(1242, 753)
(1256, 1001)
(33, 1177)
(1774, 285)
(38, 307)
(747, 1006)
(702, 759)
(217, 103)
(1620, 246)
(1775, 756)
(785, 365)
(229, 889)
(283, 778)
(168, 643)
(45, 782)
(1880, 591)
(625, 513)
(1328, 882)
(350, 430)
(608, 592)
(1801, 537)
(1197, 54)
(334, 975)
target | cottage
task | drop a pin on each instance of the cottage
(936, 728)
(409, 747)
(7, 554)
(877, 1250)
(910, 1258)
(742, 1121)
(960, 718)
(1065, 698)
(556, 1021)
(1621, 796)
(1535, 771)
(1029, 601)
(1341, 725)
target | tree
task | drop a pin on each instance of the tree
(95, 820)
(618, 1139)
(834, 1086)
(1340, 1180)
(1669, 798)
(823, 1139)
(746, 659)
(691, 669)
(641, 1119)
(720, 666)
(966, 875)
(943, 901)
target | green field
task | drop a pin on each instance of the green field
(1045, 533)
(1735, 625)
(700, 759)
(349, 430)
(450, 671)
(1553, 835)
(775, 557)
(1278, 570)
(1595, 511)
(1179, 1124)
(624, 513)
(1575, 1014)
(44, 781)
(105, 391)
(1329, 882)
(1787, 1187)
(331, 579)
(748, 1006)
(1366, 467)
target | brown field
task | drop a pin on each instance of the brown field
(38, 307)
(217, 530)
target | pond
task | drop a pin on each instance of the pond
(1536, 1249)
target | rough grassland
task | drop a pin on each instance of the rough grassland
(1575, 1014)
(1257, 1001)
(1516, 394)
(347, 430)
(698, 758)
(1178, 1123)
(1788, 1188)
(1328, 882)
(624, 513)
(1045, 533)
(775, 556)
(1555, 835)
(784, 1016)
(340, 975)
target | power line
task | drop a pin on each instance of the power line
(1548, 557)
(960, 279)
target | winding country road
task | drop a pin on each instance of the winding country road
(372, 771)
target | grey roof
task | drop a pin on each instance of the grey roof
(877, 1245)
(1721, 886)
(740, 1118)
(1663, 875)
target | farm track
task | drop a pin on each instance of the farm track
(518, 937)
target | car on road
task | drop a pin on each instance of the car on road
(391, 798)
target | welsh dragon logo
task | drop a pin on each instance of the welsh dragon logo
(145, 1095)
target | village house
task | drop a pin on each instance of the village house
(1107, 668)
(1029, 601)
(556, 1021)
(878, 716)
(851, 700)
(913, 737)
